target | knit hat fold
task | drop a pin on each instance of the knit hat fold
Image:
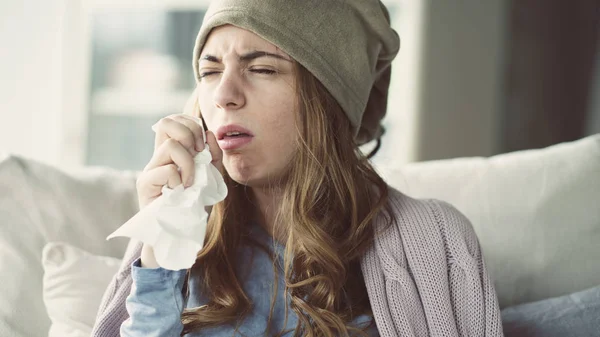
(348, 45)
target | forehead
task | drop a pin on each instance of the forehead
(231, 39)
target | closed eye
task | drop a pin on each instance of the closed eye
(263, 71)
(208, 73)
(254, 70)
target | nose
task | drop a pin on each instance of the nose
(229, 94)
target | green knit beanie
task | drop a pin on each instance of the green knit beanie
(348, 45)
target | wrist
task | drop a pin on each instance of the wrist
(148, 260)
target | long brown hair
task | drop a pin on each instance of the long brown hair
(330, 197)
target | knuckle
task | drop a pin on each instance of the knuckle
(142, 185)
(189, 140)
(147, 167)
(170, 143)
(139, 182)
(172, 169)
(161, 122)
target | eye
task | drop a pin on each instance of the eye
(263, 71)
(208, 73)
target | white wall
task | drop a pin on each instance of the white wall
(30, 67)
(38, 93)
(399, 143)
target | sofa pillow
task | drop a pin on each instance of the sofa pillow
(536, 213)
(73, 285)
(40, 203)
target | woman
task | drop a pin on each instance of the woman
(310, 241)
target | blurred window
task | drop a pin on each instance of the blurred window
(141, 71)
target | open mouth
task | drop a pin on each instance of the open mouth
(235, 134)
(232, 137)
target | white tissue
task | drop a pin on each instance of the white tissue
(174, 224)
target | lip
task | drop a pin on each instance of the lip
(232, 143)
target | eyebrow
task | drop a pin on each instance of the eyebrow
(247, 57)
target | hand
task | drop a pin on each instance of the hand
(178, 139)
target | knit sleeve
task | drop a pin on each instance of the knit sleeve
(112, 311)
(472, 293)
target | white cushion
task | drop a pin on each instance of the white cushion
(73, 286)
(536, 212)
(39, 204)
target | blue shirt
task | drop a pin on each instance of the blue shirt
(155, 302)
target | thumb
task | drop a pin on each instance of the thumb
(215, 151)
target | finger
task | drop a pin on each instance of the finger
(150, 183)
(168, 128)
(195, 125)
(171, 151)
(215, 151)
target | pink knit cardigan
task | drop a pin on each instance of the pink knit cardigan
(425, 277)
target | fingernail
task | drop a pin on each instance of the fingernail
(190, 182)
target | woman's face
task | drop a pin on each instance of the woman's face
(247, 97)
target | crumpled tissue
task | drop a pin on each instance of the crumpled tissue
(174, 224)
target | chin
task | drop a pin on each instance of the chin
(250, 174)
(246, 179)
(241, 174)
(252, 179)
(239, 178)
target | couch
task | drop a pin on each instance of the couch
(536, 212)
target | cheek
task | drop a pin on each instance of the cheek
(279, 145)
(278, 123)
(277, 110)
